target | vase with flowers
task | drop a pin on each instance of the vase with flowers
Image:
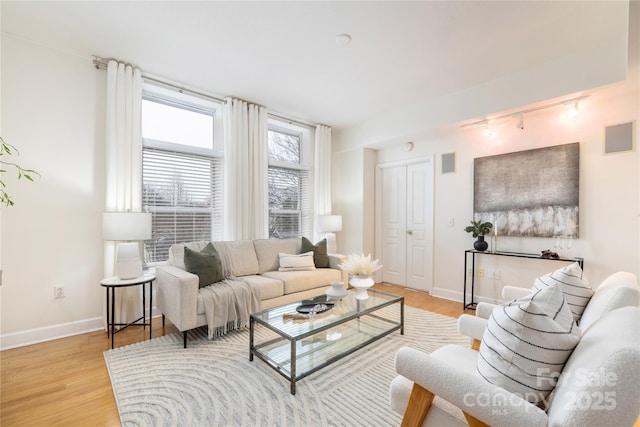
(360, 269)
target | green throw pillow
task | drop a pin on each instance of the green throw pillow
(320, 256)
(205, 264)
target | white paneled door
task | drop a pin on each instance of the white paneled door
(407, 225)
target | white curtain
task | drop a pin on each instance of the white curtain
(322, 174)
(246, 188)
(123, 168)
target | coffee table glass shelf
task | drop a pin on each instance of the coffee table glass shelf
(297, 346)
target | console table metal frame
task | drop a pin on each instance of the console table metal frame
(473, 252)
(111, 284)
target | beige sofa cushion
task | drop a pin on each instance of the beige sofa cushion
(238, 257)
(268, 288)
(267, 251)
(297, 281)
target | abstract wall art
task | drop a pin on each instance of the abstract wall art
(530, 193)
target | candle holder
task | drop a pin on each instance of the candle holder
(494, 243)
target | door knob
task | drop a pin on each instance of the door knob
(409, 232)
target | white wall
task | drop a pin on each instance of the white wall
(609, 192)
(53, 111)
(353, 190)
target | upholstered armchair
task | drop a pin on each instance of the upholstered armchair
(598, 385)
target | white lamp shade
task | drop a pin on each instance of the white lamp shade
(126, 226)
(329, 222)
(128, 262)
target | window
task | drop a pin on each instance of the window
(181, 173)
(289, 206)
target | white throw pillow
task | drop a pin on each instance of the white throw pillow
(300, 262)
(527, 342)
(577, 291)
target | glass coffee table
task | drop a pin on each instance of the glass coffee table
(299, 346)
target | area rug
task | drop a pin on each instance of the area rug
(213, 383)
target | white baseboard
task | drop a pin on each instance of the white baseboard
(457, 296)
(53, 332)
(49, 333)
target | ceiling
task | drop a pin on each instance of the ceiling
(284, 54)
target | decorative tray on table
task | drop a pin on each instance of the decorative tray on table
(315, 308)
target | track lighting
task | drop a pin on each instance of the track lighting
(520, 124)
(573, 112)
(487, 130)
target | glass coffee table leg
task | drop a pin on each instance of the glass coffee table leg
(293, 367)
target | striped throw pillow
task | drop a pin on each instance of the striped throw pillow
(527, 342)
(302, 262)
(577, 291)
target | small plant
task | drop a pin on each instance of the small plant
(9, 150)
(479, 228)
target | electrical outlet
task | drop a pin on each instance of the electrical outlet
(469, 272)
(480, 273)
(58, 292)
(496, 274)
(451, 222)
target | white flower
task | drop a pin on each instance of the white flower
(360, 265)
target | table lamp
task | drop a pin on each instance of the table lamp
(328, 224)
(127, 228)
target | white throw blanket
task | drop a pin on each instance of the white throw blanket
(228, 305)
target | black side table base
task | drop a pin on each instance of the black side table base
(111, 284)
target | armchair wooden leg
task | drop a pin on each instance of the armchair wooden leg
(418, 406)
(475, 345)
(474, 422)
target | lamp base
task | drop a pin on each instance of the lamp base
(128, 262)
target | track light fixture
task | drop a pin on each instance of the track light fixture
(573, 110)
(520, 124)
(487, 129)
(520, 114)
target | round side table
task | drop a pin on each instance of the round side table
(110, 284)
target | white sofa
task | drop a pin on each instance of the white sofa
(256, 262)
(598, 385)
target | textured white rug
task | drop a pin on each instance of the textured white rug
(212, 383)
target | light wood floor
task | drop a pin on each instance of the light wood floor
(65, 382)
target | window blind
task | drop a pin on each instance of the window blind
(288, 202)
(183, 192)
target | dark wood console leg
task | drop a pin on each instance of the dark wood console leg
(185, 339)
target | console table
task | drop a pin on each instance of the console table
(473, 253)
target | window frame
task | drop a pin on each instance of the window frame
(304, 133)
(195, 104)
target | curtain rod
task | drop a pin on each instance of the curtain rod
(101, 64)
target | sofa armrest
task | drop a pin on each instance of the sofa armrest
(484, 309)
(334, 262)
(509, 293)
(471, 393)
(177, 296)
(472, 326)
